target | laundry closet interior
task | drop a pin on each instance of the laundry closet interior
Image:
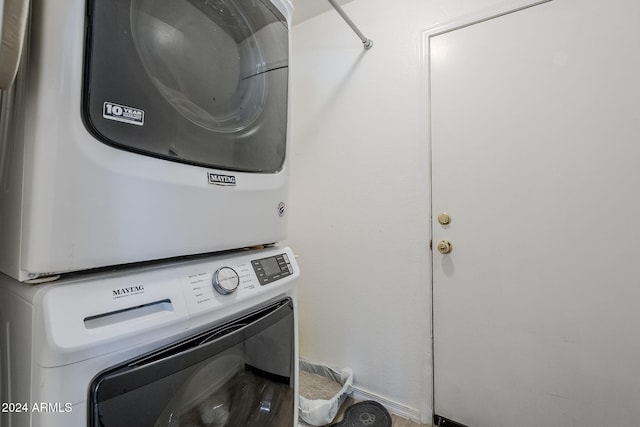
(439, 196)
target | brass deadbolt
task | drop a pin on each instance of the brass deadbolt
(444, 218)
(445, 247)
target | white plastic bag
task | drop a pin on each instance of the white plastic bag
(320, 412)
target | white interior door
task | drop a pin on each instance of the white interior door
(535, 119)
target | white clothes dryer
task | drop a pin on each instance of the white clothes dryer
(198, 342)
(139, 130)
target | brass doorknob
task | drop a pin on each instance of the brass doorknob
(444, 218)
(445, 247)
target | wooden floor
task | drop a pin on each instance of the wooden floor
(401, 422)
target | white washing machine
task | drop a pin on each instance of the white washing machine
(138, 130)
(210, 341)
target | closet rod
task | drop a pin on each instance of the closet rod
(367, 43)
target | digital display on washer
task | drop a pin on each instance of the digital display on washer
(272, 268)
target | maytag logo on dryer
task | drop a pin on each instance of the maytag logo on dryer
(122, 113)
(125, 292)
(218, 179)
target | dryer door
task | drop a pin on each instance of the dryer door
(195, 81)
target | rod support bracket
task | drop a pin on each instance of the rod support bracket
(367, 43)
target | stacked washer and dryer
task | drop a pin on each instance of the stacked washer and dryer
(144, 185)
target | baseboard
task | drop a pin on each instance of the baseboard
(393, 407)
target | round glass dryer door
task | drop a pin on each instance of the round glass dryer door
(195, 81)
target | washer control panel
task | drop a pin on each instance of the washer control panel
(226, 280)
(272, 268)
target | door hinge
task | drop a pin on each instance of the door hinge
(430, 245)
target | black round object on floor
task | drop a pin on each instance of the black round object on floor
(365, 414)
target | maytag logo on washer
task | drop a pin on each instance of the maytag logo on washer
(218, 179)
(125, 292)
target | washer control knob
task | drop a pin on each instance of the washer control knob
(225, 280)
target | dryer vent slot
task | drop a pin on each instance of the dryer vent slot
(127, 314)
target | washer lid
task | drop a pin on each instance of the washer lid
(14, 24)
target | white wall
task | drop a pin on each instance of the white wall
(359, 202)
